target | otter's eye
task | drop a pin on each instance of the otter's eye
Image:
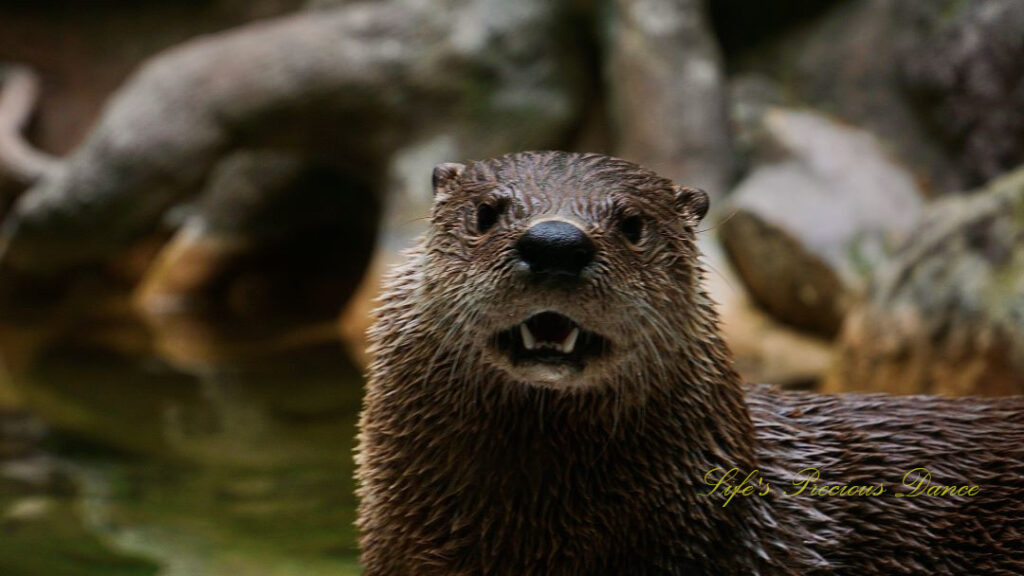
(486, 217)
(632, 227)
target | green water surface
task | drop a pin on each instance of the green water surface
(190, 451)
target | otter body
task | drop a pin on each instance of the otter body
(550, 394)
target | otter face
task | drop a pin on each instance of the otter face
(562, 270)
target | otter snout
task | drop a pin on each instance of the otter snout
(555, 248)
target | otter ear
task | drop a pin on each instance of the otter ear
(445, 176)
(692, 200)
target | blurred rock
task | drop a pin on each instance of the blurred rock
(346, 86)
(25, 470)
(273, 234)
(9, 398)
(751, 96)
(845, 64)
(666, 91)
(20, 434)
(947, 316)
(198, 343)
(83, 55)
(819, 211)
(764, 349)
(743, 25)
(29, 509)
(35, 474)
(964, 63)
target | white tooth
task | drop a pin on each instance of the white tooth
(569, 344)
(528, 340)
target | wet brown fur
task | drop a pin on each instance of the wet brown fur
(465, 468)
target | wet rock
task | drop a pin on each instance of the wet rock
(820, 210)
(947, 316)
(666, 91)
(964, 64)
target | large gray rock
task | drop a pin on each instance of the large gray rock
(947, 317)
(822, 207)
(348, 85)
(98, 48)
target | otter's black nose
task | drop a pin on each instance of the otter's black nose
(556, 248)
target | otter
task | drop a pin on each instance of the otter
(550, 394)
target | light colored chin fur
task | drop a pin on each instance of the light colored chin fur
(565, 378)
(554, 377)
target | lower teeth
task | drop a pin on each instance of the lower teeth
(566, 346)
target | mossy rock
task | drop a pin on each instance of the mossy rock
(947, 316)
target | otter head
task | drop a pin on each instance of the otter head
(563, 270)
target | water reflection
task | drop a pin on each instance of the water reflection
(195, 449)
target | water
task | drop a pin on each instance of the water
(189, 449)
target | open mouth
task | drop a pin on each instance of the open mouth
(550, 338)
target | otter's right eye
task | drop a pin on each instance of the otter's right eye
(632, 227)
(486, 217)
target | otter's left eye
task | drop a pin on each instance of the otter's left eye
(632, 227)
(486, 217)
